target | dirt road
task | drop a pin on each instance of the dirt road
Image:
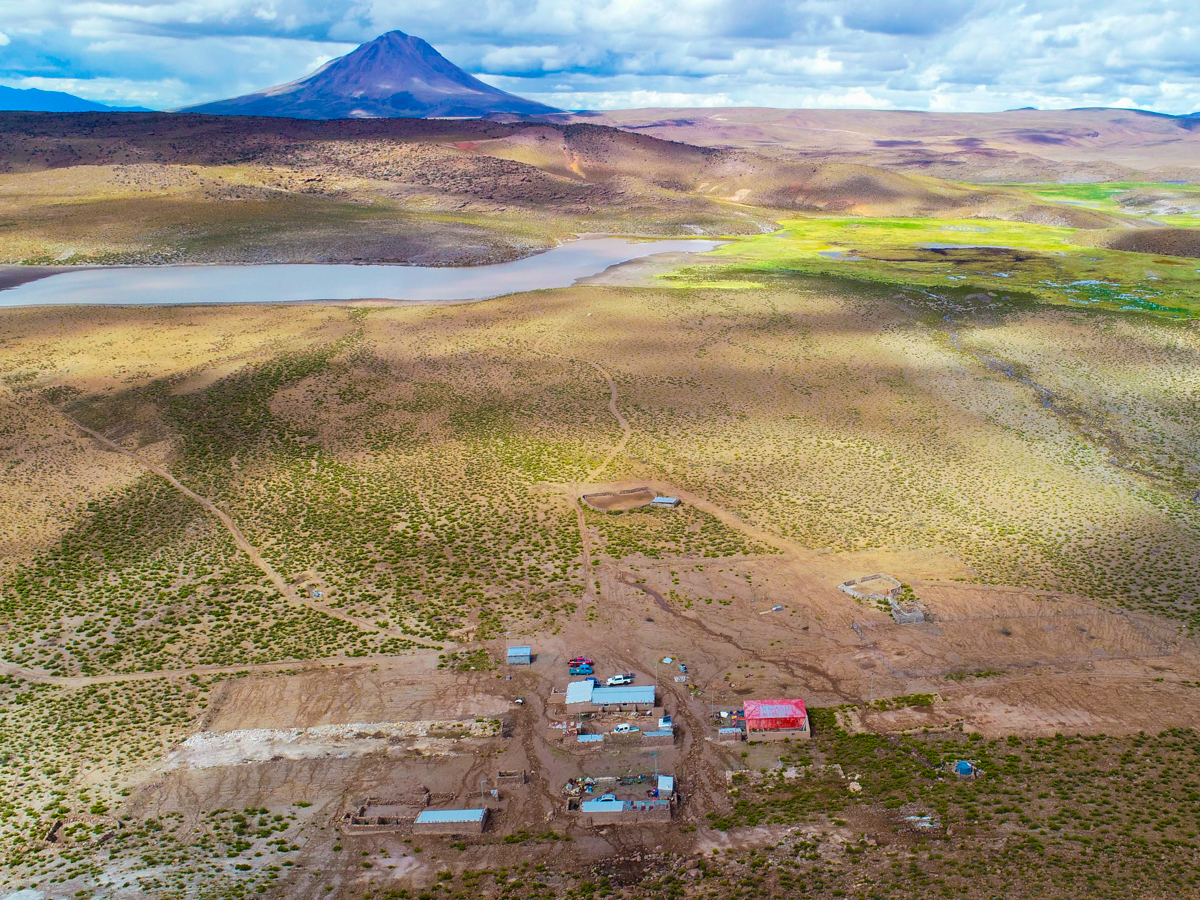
(619, 446)
(287, 592)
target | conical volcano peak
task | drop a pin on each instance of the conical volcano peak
(394, 75)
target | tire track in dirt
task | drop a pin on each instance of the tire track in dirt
(238, 537)
(585, 542)
(532, 715)
(626, 431)
(705, 786)
(834, 685)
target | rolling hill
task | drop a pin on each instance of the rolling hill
(1080, 145)
(35, 100)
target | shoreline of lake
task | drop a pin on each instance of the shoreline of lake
(340, 283)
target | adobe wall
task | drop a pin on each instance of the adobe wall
(893, 593)
(631, 817)
(780, 734)
(450, 827)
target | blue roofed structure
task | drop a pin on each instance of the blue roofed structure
(604, 804)
(451, 815)
(451, 821)
(520, 656)
(610, 810)
(586, 696)
(580, 691)
(641, 694)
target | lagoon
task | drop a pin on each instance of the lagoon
(558, 267)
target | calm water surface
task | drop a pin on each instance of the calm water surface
(169, 285)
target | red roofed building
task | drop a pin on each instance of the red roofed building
(775, 720)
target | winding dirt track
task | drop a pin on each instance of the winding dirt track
(244, 545)
(250, 550)
(621, 420)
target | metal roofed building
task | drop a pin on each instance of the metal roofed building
(608, 810)
(520, 656)
(729, 735)
(776, 720)
(579, 692)
(585, 696)
(607, 803)
(667, 502)
(451, 821)
(629, 693)
(666, 784)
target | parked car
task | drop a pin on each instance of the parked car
(617, 680)
(581, 661)
(624, 728)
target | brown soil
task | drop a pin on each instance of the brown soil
(1017, 145)
(11, 276)
(1163, 241)
(161, 188)
(621, 501)
(1002, 660)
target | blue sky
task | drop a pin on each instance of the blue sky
(951, 55)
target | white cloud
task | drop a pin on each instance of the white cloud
(631, 99)
(943, 54)
(854, 98)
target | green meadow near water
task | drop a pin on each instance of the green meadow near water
(1042, 262)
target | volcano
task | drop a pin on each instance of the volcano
(394, 76)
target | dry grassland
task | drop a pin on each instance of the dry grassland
(420, 468)
(392, 456)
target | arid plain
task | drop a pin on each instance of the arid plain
(261, 563)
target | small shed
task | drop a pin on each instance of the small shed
(666, 785)
(666, 502)
(520, 656)
(451, 821)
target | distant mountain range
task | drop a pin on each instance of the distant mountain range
(394, 76)
(34, 100)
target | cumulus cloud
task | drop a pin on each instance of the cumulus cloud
(940, 54)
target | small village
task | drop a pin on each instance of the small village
(622, 735)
